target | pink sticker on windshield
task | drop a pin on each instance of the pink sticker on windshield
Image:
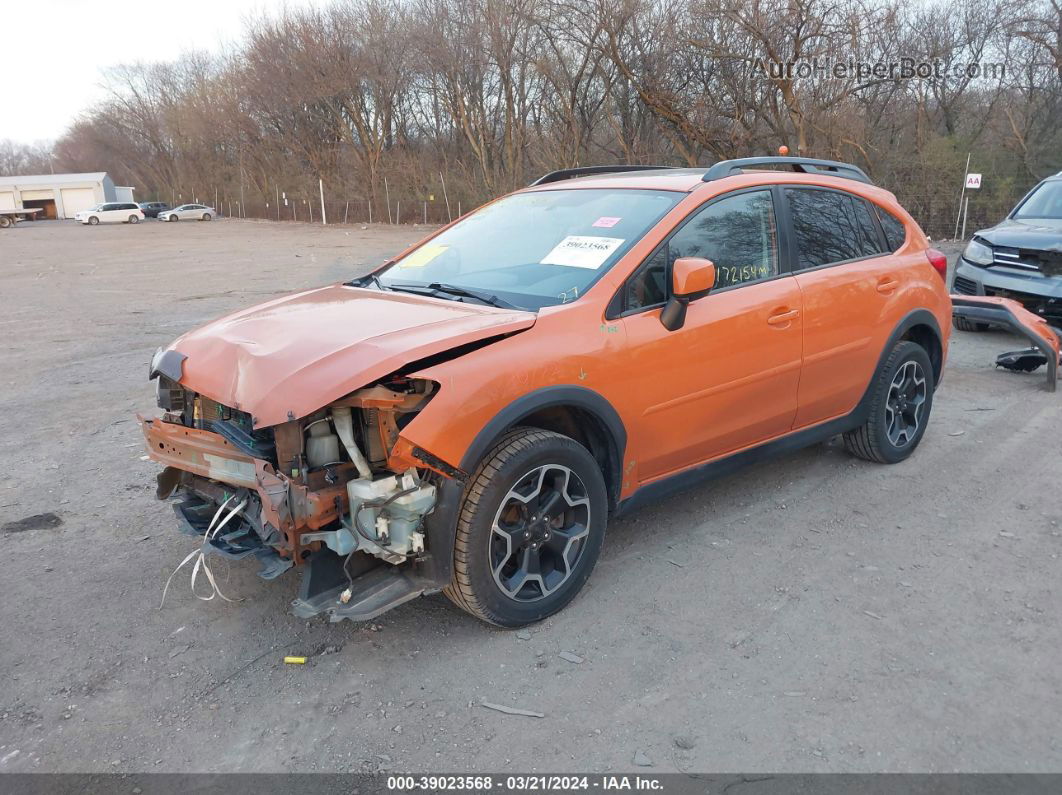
(607, 221)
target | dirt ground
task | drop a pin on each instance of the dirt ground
(814, 614)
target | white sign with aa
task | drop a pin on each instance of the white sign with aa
(973, 181)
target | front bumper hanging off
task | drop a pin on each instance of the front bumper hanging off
(1011, 315)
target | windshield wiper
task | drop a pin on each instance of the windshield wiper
(362, 281)
(453, 289)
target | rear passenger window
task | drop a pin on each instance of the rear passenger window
(895, 231)
(830, 227)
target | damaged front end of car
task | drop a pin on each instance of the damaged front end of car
(368, 520)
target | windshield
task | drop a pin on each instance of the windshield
(1045, 202)
(533, 249)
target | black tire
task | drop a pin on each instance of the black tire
(173, 218)
(206, 216)
(485, 561)
(93, 220)
(883, 438)
(5, 221)
(963, 324)
(133, 219)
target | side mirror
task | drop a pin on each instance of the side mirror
(691, 277)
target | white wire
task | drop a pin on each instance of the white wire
(211, 532)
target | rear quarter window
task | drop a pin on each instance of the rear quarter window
(895, 231)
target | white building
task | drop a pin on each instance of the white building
(60, 195)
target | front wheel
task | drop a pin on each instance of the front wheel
(172, 218)
(899, 408)
(93, 221)
(530, 528)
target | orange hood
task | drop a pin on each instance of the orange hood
(288, 357)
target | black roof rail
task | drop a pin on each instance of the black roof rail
(586, 171)
(804, 165)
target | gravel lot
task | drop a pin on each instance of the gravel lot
(814, 614)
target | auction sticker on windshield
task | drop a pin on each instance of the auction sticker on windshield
(582, 251)
(422, 256)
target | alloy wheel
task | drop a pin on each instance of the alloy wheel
(539, 533)
(903, 407)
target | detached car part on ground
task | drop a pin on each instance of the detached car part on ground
(1006, 313)
(468, 417)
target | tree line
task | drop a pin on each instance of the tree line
(460, 100)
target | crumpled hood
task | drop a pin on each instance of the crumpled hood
(288, 357)
(1040, 234)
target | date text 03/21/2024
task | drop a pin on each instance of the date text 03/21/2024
(525, 783)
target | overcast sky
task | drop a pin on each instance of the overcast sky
(58, 49)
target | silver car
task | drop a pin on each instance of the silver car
(188, 212)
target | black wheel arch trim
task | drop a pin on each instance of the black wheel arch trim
(550, 397)
(916, 317)
(440, 527)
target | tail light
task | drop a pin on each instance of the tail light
(939, 261)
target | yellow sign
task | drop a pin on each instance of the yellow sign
(422, 256)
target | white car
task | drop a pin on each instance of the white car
(111, 213)
(188, 212)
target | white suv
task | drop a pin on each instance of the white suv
(111, 213)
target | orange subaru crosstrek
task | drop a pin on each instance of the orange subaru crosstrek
(469, 416)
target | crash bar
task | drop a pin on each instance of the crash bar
(803, 165)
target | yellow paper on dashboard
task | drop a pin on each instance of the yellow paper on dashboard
(422, 256)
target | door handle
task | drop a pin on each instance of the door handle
(782, 318)
(887, 285)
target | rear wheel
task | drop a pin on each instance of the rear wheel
(5, 221)
(134, 219)
(206, 216)
(530, 529)
(962, 324)
(899, 409)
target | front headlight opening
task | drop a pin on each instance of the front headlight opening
(978, 253)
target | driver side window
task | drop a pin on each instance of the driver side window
(738, 233)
